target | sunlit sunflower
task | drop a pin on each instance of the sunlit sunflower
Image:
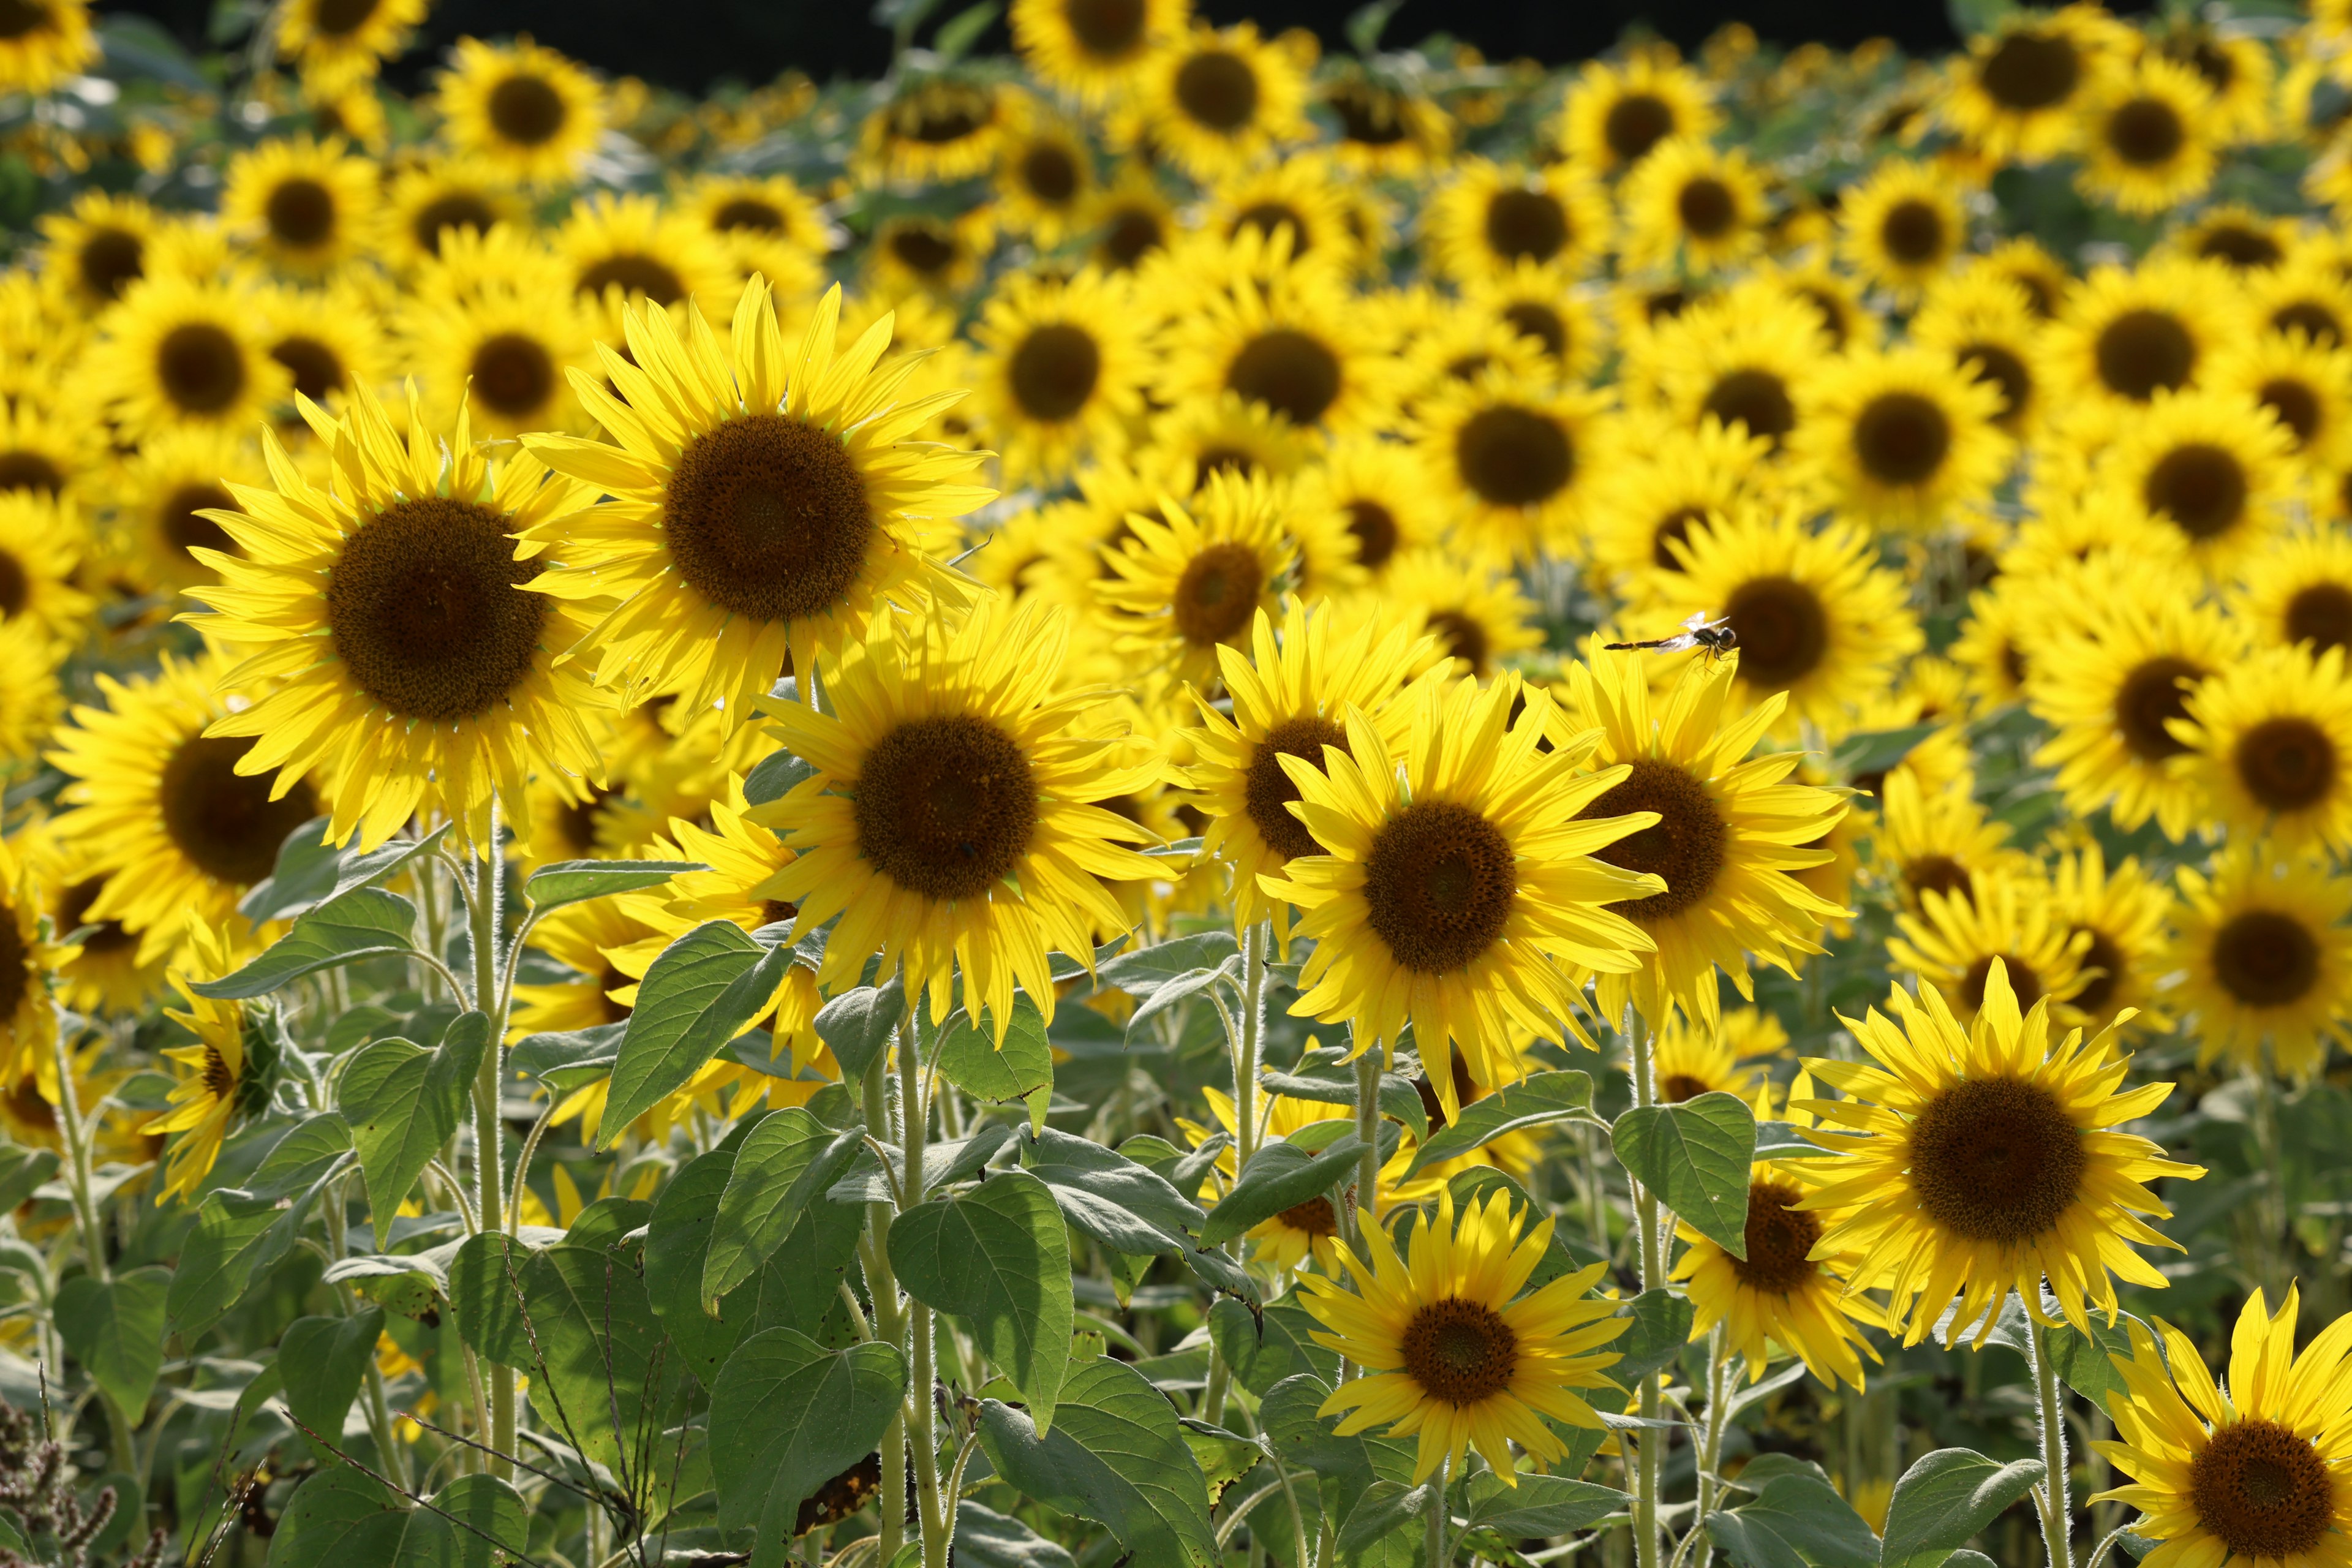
(1955, 940)
(1665, 478)
(2299, 591)
(2113, 693)
(1460, 885)
(1692, 206)
(525, 108)
(1304, 199)
(1895, 438)
(225, 1080)
(29, 694)
(1309, 1231)
(97, 247)
(1193, 578)
(46, 42)
(1903, 227)
(429, 201)
(28, 1016)
(582, 938)
(1291, 343)
(2018, 93)
(2305, 388)
(403, 659)
(47, 451)
(919, 252)
(41, 544)
(2265, 959)
(1132, 219)
(1689, 1059)
(1290, 697)
(2239, 72)
(1045, 179)
(1451, 1351)
(2250, 1471)
(2122, 914)
(2273, 738)
(1094, 49)
(1817, 616)
(1537, 302)
(1489, 219)
(508, 355)
(624, 249)
(1215, 100)
(1616, 112)
(1742, 357)
(766, 224)
(2310, 295)
(2237, 236)
(342, 41)
(1380, 495)
(1515, 459)
(973, 842)
(329, 341)
(178, 353)
(1388, 128)
(1936, 842)
(2128, 335)
(1471, 609)
(1062, 372)
(1980, 1159)
(161, 809)
(933, 130)
(1225, 433)
(2147, 138)
(713, 595)
(107, 975)
(305, 207)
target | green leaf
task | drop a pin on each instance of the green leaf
(1124, 1205)
(696, 995)
(1146, 969)
(577, 881)
(342, 1519)
(315, 1146)
(971, 1058)
(366, 922)
(1168, 992)
(216, 1261)
(780, 1169)
(960, 32)
(2081, 1361)
(311, 872)
(1970, 17)
(499, 1518)
(608, 1372)
(987, 1539)
(484, 1276)
(1384, 1508)
(400, 1113)
(322, 1361)
(677, 1242)
(115, 1328)
(1695, 1157)
(1945, 1497)
(1262, 1348)
(1874, 751)
(1282, 1175)
(1539, 1505)
(1797, 1520)
(1326, 1077)
(1662, 1326)
(999, 1258)
(1534, 1101)
(856, 1025)
(777, 775)
(1116, 1456)
(796, 1415)
(21, 1170)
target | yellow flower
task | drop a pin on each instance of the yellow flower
(1513, 456)
(1195, 580)
(1488, 220)
(2016, 93)
(1062, 372)
(305, 206)
(2148, 139)
(184, 354)
(525, 108)
(344, 41)
(2265, 960)
(2120, 917)
(2272, 735)
(1616, 112)
(47, 41)
(1896, 439)
(1691, 203)
(1215, 100)
(225, 1082)
(1903, 227)
(1956, 939)
(1094, 50)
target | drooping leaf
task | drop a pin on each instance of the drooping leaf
(1534, 1101)
(973, 1060)
(322, 1361)
(311, 872)
(857, 1025)
(1120, 1203)
(677, 1242)
(366, 922)
(609, 1372)
(998, 1257)
(1868, 752)
(1176, 989)
(342, 1519)
(1262, 1348)
(400, 1113)
(1117, 1455)
(797, 1415)
(1539, 1505)
(701, 992)
(484, 1283)
(1282, 1175)
(780, 1170)
(1695, 1156)
(1945, 1497)
(2082, 1361)
(315, 1146)
(216, 1261)
(115, 1328)
(577, 881)
(987, 1539)
(1796, 1519)
(22, 1170)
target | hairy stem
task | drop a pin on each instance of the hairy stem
(1649, 1452)
(2057, 1515)
(490, 1175)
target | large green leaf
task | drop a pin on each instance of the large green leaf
(1661, 1322)
(485, 1284)
(577, 881)
(1264, 1347)
(678, 1241)
(322, 1361)
(1117, 1455)
(1282, 1175)
(1945, 1497)
(342, 1519)
(311, 872)
(115, 1328)
(1695, 1156)
(701, 992)
(1534, 1101)
(998, 1257)
(22, 1170)
(1539, 1505)
(795, 1416)
(315, 1146)
(400, 1113)
(366, 922)
(2083, 1360)
(1020, 1067)
(216, 1261)
(1146, 969)
(1797, 1520)
(609, 1372)
(1120, 1203)
(782, 1167)
(857, 1025)
(987, 1539)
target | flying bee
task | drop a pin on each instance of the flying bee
(1716, 636)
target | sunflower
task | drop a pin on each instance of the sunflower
(1469, 608)
(1816, 616)
(625, 250)
(1096, 50)
(2252, 1471)
(1290, 697)
(2305, 389)
(46, 451)
(1307, 1232)
(1980, 1159)
(305, 207)
(1290, 343)
(1616, 113)
(2114, 692)
(1514, 459)
(1215, 100)
(1490, 219)
(2237, 236)
(429, 201)
(1537, 302)
(1896, 439)
(29, 694)
(523, 109)
(1448, 1355)
(2273, 738)
(180, 354)
(344, 41)
(934, 130)
(1380, 495)
(1938, 842)
(107, 974)
(28, 958)
(1690, 1059)
(1302, 197)
(766, 224)
(1903, 227)
(2128, 335)
(2238, 73)
(163, 810)
(226, 1080)
(507, 355)
(2299, 591)
(582, 938)
(330, 340)
(2022, 260)
(2002, 637)
(1741, 357)
(46, 42)
(1044, 177)
(1388, 128)
(712, 596)
(98, 248)
(2147, 139)
(922, 253)
(1062, 371)
(1692, 206)
(2309, 296)
(1194, 578)
(2018, 94)
(973, 842)
(1669, 478)
(1460, 885)
(41, 544)
(1132, 219)
(2120, 916)
(1956, 938)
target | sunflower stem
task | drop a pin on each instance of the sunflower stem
(93, 1240)
(935, 1513)
(1368, 1128)
(2057, 1516)
(1648, 1452)
(1710, 1451)
(1437, 1556)
(889, 1320)
(489, 1174)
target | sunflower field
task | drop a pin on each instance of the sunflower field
(1177, 800)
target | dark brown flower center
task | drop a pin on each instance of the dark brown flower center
(632, 273)
(15, 585)
(1267, 217)
(1049, 173)
(1706, 207)
(2105, 966)
(748, 215)
(2263, 1491)
(2286, 763)
(1756, 398)
(26, 1108)
(1675, 1088)
(2022, 979)
(767, 517)
(1996, 1160)
(1374, 529)
(2000, 368)
(1462, 636)
(526, 110)
(925, 248)
(18, 979)
(183, 530)
(1781, 1238)
(219, 1081)
(453, 209)
(222, 820)
(2321, 615)
(2265, 959)
(2294, 404)
(1438, 885)
(1783, 629)
(1913, 233)
(2153, 694)
(2143, 352)
(2030, 70)
(201, 367)
(106, 938)
(1106, 29)
(339, 18)
(1635, 123)
(1368, 115)
(429, 612)
(1901, 439)
(1218, 593)
(1315, 1216)
(316, 369)
(1685, 846)
(300, 214)
(2239, 247)
(22, 470)
(1218, 91)
(514, 375)
(21, 19)
(1459, 1351)
(1514, 457)
(1672, 530)
(1055, 370)
(111, 259)
(1267, 791)
(1130, 234)
(2146, 132)
(1294, 374)
(2311, 317)
(946, 806)
(1938, 874)
(1533, 319)
(1523, 223)
(2201, 488)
